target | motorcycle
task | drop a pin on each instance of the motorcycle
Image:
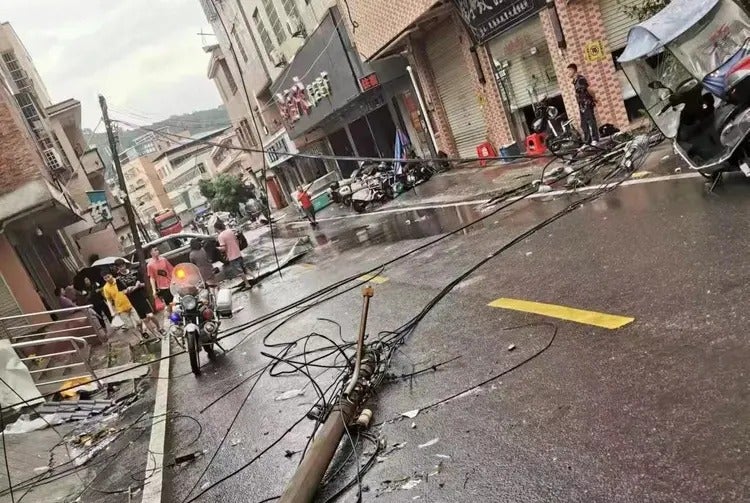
(690, 66)
(197, 314)
(560, 133)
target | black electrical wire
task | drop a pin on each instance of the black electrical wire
(5, 455)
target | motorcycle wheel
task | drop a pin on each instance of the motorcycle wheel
(347, 200)
(192, 347)
(359, 206)
(210, 351)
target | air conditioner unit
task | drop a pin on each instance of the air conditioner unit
(277, 59)
(52, 159)
(295, 27)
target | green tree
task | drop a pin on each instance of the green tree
(643, 9)
(225, 192)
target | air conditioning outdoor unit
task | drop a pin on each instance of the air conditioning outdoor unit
(52, 159)
(295, 27)
(277, 59)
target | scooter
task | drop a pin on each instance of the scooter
(560, 133)
(693, 78)
(196, 315)
(373, 190)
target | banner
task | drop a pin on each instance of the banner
(488, 18)
(99, 206)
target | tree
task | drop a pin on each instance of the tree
(643, 9)
(225, 192)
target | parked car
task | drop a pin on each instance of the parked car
(176, 247)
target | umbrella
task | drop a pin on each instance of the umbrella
(108, 261)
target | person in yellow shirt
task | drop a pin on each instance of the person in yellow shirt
(119, 304)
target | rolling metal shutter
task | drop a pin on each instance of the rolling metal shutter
(9, 307)
(616, 22)
(524, 75)
(616, 27)
(455, 87)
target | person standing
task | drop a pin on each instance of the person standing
(159, 272)
(229, 244)
(63, 299)
(307, 205)
(118, 303)
(135, 289)
(199, 257)
(586, 105)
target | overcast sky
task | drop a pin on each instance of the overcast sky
(143, 55)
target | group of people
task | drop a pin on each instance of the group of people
(121, 297)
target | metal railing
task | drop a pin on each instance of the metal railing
(77, 343)
(53, 348)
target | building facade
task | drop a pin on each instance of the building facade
(479, 66)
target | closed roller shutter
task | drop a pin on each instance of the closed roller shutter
(456, 90)
(525, 65)
(9, 307)
(616, 22)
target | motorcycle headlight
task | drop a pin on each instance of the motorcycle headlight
(735, 131)
(189, 302)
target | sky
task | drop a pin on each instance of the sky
(144, 56)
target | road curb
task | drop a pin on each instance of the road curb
(155, 457)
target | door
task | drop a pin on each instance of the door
(341, 146)
(455, 86)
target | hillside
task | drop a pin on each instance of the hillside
(195, 122)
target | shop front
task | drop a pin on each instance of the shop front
(333, 103)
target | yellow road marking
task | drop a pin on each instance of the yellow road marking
(374, 278)
(610, 321)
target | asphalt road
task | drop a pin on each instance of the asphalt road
(655, 411)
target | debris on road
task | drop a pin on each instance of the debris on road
(413, 426)
(511, 347)
(429, 443)
(411, 414)
(442, 456)
(292, 393)
(235, 442)
(289, 454)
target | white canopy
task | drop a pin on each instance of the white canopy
(653, 34)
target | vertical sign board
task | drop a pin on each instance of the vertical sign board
(488, 18)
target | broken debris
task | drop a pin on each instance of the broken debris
(292, 393)
(429, 443)
(411, 414)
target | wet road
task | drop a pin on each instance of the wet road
(654, 411)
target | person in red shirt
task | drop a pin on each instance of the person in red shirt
(159, 272)
(307, 205)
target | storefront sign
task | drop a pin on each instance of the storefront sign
(487, 18)
(594, 51)
(299, 99)
(278, 150)
(369, 82)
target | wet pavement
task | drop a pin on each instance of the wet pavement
(654, 411)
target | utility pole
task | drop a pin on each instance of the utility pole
(309, 474)
(126, 200)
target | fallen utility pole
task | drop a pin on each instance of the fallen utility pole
(309, 474)
(124, 188)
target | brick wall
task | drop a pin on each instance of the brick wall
(421, 66)
(581, 22)
(19, 158)
(380, 21)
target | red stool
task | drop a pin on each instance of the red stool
(535, 144)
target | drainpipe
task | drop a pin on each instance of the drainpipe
(422, 106)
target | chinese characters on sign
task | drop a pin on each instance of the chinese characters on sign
(277, 151)
(99, 206)
(369, 82)
(487, 18)
(299, 99)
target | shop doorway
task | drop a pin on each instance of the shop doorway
(341, 146)
(363, 138)
(384, 130)
(274, 192)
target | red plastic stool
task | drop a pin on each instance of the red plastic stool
(535, 144)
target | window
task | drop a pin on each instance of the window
(290, 6)
(245, 133)
(265, 38)
(239, 44)
(228, 76)
(201, 168)
(273, 18)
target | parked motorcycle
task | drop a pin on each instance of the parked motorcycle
(560, 133)
(690, 66)
(196, 316)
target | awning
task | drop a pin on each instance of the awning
(37, 197)
(650, 36)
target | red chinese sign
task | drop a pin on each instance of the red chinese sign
(369, 82)
(299, 99)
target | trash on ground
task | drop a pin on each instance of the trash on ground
(511, 347)
(187, 457)
(413, 426)
(411, 484)
(72, 387)
(429, 443)
(24, 424)
(236, 442)
(41, 469)
(289, 394)
(290, 454)
(442, 456)
(411, 414)
(205, 485)
(237, 309)
(529, 254)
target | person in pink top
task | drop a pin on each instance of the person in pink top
(229, 244)
(159, 272)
